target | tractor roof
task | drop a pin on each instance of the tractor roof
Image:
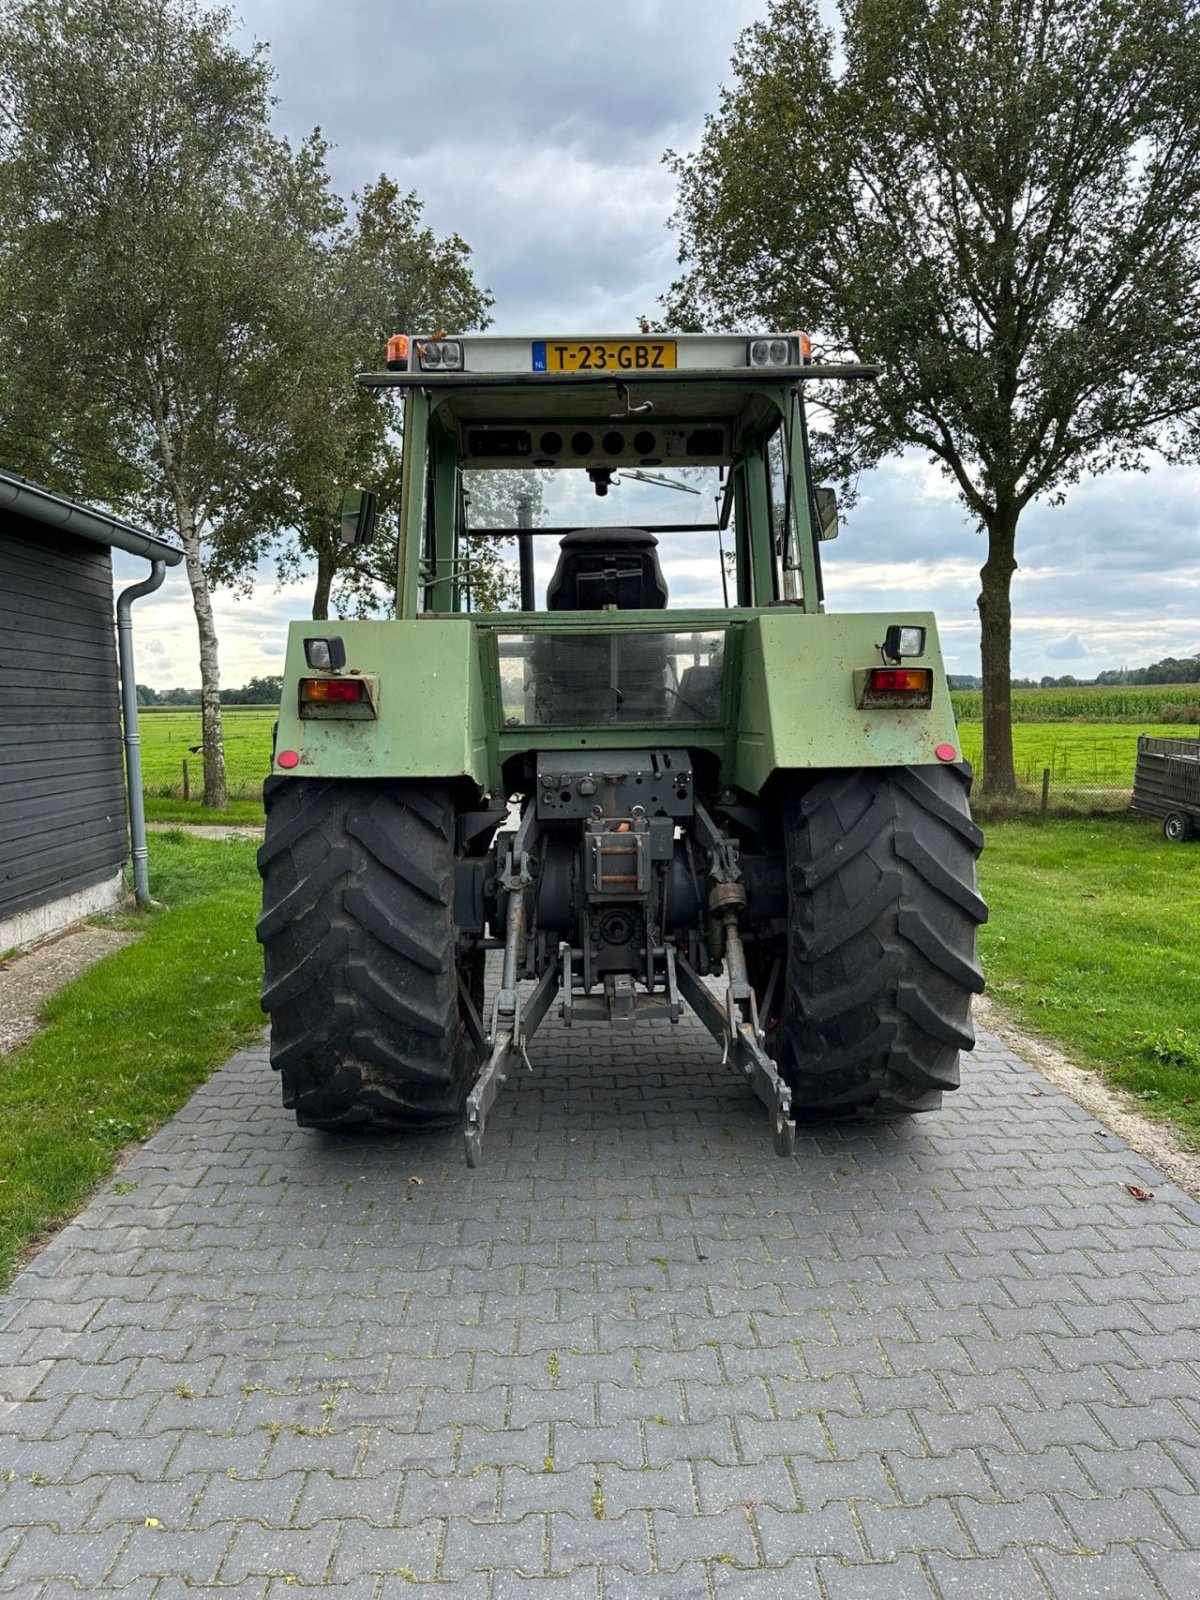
(505, 395)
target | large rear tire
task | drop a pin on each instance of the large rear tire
(357, 930)
(882, 956)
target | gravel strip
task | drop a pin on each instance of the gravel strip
(29, 979)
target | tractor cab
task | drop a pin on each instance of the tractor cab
(602, 424)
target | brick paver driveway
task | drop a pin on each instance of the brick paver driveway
(633, 1355)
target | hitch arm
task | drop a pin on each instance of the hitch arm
(738, 1037)
(508, 1046)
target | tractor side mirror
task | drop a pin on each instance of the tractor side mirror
(358, 518)
(827, 513)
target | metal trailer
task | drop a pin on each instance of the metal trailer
(1166, 784)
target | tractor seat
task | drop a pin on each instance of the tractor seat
(600, 567)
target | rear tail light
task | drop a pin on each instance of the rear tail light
(898, 686)
(334, 691)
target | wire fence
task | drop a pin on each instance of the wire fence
(1079, 772)
(244, 779)
(1065, 794)
(1082, 771)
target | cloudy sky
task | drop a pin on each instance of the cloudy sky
(536, 128)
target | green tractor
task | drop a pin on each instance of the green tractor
(751, 808)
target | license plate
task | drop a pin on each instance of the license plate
(603, 355)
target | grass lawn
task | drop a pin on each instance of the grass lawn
(127, 1042)
(1092, 941)
(161, 808)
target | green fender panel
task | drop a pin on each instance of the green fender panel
(431, 721)
(797, 705)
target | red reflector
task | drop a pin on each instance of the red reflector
(288, 758)
(330, 691)
(945, 752)
(899, 680)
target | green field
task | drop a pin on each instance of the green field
(1087, 738)
(170, 733)
(1110, 703)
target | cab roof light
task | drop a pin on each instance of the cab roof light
(397, 353)
(775, 351)
(439, 355)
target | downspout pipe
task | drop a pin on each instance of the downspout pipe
(133, 741)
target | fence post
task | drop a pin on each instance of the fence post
(186, 785)
(1045, 791)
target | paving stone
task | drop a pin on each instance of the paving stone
(726, 1538)
(797, 1581)
(1177, 1572)
(582, 1584)
(83, 1558)
(891, 1530)
(689, 1583)
(1105, 1575)
(902, 1579)
(518, 1545)
(1031, 1521)
(1009, 1576)
(364, 1551)
(335, 1384)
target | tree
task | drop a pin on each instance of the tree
(368, 586)
(262, 691)
(999, 202)
(157, 238)
(383, 273)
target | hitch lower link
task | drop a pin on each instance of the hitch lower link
(733, 1021)
(512, 1024)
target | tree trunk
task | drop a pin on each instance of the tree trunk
(325, 565)
(995, 638)
(216, 787)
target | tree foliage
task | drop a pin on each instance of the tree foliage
(383, 272)
(996, 200)
(157, 237)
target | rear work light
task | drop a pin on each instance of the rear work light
(325, 653)
(903, 639)
(776, 352)
(439, 355)
(315, 692)
(910, 687)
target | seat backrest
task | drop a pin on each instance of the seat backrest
(600, 567)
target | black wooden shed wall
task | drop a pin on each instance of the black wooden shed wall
(62, 793)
